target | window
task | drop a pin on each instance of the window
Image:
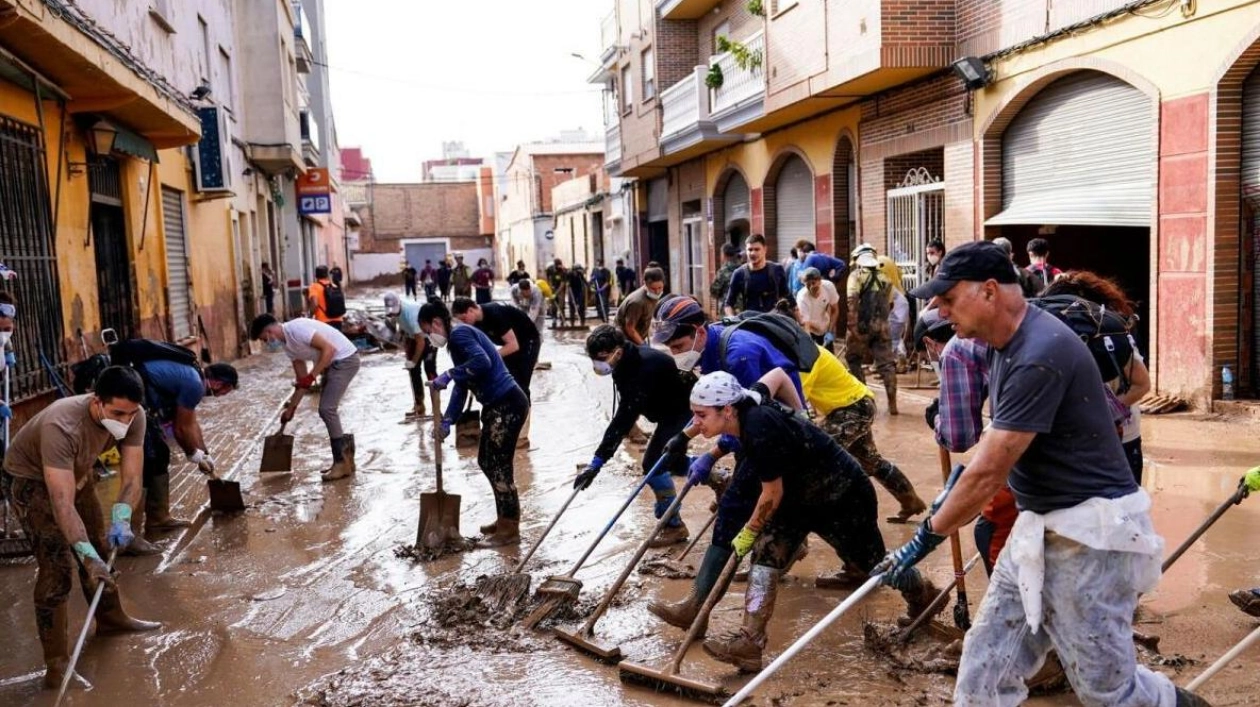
(722, 30)
(225, 67)
(206, 71)
(627, 90)
(649, 75)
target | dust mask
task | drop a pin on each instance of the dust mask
(688, 359)
(602, 368)
(115, 428)
(653, 295)
(4, 338)
(934, 259)
(275, 345)
(437, 339)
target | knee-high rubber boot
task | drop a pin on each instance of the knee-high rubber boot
(347, 452)
(112, 618)
(54, 641)
(682, 613)
(918, 591)
(674, 531)
(157, 506)
(742, 647)
(340, 468)
(889, 377)
(891, 478)
(139, 546)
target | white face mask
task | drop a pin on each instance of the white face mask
(602, 368)
(115, 428)
(4, 338)
(438, 339)
(934, 259)
(653, 295)
(687, 360)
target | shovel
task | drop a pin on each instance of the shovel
(584, 637)
(277, 452)
(507, 589)
(225, 496)
(439, 510)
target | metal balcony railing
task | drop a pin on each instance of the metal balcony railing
(685, 104)
(608, 35)
(739, 85)
(612, 144)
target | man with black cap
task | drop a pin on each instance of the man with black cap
(1084, 546)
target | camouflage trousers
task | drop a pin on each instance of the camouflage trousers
(848, 522)
(850, 427)
(876, 345)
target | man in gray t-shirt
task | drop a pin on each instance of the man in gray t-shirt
(1083, 549)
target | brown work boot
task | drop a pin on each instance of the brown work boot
(681, 614)
(742, 647)
(56, 649)
(489, 528)
(670, 535)
(157, 506)
(347, 452)
(112, 618)
(919, 593)
(506, 532)
(892, 479)
(339, 470)
(1247, 600)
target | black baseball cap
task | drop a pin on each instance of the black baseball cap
(972, 262)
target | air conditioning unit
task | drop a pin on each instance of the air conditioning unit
(212, 158)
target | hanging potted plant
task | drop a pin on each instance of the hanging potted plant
(756, 8)
(713, 79)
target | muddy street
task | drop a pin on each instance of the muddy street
(302, 599)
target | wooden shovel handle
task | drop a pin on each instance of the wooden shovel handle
(435, 399)
(702, 618)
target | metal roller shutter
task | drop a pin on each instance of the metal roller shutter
(1251, 135)
(735, 200)
(794, 206)
(658, 200)
(176, 263)
(1082, 152)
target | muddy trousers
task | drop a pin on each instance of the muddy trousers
(878, 346)
(1088, 600)
(850, 427)
(427, 369)
(662, 482)
(336, 381)
(501, 423)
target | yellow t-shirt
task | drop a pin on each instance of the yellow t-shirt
(829, 385)
(544, 288)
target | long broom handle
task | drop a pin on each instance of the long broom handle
(1234, 500)
(87, 623)
(435, 399)
(1251, 639)
(695, 539)
(702, 618)
(617, 516)
(955, 543)
(521, 565)
(638, 555)
(803, 641)
(941, 597)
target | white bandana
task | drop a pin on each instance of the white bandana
(717, 389)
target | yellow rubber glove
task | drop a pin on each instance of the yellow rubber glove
(743, 542)
(1252, 479)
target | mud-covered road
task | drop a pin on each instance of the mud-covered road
(302, 599)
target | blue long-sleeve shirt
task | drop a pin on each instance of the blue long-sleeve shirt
(478, 369)
(748, 357)
(825, 264)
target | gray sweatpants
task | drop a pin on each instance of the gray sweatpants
(1088, 599)
(336, 379)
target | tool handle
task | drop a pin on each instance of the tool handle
(696, 538)
(1234, 500)
(955, 543)
(87, 623)
(638, 555)
(435, 399)
(1224, 660)
(521, 565)
(617, 516)
(702, 618)
(941, 598)
(803, 641)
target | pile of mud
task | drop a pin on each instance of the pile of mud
(415, 553)
(664, 565)
(931, 650)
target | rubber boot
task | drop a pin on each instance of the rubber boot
(743, 646)
(849, 577)
(890, 388)
(1185, 698)
(506, 532)
(683, 613)
(139, 546)
(56, 649)
(891, 478)
(112, 618)
(675, 532)
(157, 506)
(919, 592)
(347, 452)
(489, 528)
(1246, 599)
(340, 469)
(522, 441)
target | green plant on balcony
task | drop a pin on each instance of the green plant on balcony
(714, 78)
(745, 58)
(755, 7)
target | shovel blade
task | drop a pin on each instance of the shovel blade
(439, 519)
(277, 453)
(225, 496)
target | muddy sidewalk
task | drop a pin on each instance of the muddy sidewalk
(302, 599)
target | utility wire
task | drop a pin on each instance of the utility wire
(455, 89)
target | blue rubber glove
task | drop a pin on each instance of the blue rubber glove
(446, 428)
(584, 479)
(900, 561)
(10, 358)
(700, 469)
(441, 381)
(828, 338)
(728, 444)
(743, 543)
(6, 412)
(120, 535)
(1252, 479)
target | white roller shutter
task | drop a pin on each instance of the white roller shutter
(658, 200)
(735, 201)
(176, 263)
(1251, 136)
(1082, 152)
(794, 206)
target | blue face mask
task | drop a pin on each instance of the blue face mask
(275, 346)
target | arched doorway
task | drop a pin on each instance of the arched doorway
(844, 197)
(736, 211)
(793, 207)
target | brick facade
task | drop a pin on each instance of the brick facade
(404, 211)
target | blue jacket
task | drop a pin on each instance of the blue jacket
(748, 357)
(478, 369)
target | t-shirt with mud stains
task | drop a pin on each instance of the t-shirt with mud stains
(64, 436)
(1045, 381)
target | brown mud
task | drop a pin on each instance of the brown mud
(301, 598)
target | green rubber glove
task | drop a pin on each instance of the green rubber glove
(85, 551)
(742, 544)
(1252, 479)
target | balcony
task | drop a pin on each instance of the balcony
(608, 37)
(612, 148)
(685, 9)
(687, 129)
(741, 97)
(310, 138)
(301, 43)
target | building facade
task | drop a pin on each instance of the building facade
(412, 223)
(524, 216)
(848, 122)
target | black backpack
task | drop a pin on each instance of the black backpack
(334, 301)
(782, 332)
(136, 351)
(1106, 333)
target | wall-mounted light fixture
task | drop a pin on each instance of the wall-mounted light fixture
(100, 143)
(973, 72)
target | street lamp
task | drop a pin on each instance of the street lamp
(100, 143)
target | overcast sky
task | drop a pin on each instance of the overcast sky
(409, 74)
